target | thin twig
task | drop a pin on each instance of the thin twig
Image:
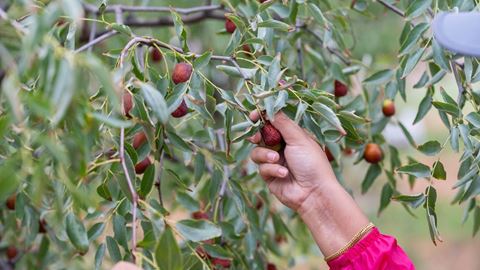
(392, 8)
(332, 51)
(93, 30)
(300, 52)
(97, 40)
(131, 187)
(151, 41)
(226, 170)
(457, 80)
(158, 182)
(125, 8)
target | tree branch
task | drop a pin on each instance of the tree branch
(457, 80)
(150, 42)
(98, 39)
(331, 50)
(392, 8)
(125, 8)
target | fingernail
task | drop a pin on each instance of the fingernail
(272, 156)
(283, 172)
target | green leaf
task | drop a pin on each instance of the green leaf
(407, 134)
(424, 107)
(379, 78)
(417, 8)
(412, 200)
(329, 116)
(447, 108)
(439, 171)
(317, 13)
(95, 231)
(167, 252)
(99, 256)
(418, 170)
(203, 60)
(156, 101)
(476, 220)
(412, 38)
(113, 249)
(233, 71)
(474, 119)
(412, 61)
(147, 181)
(430, 148)
(274, 24)
(122, 28)
(385, 197)
(373, 172)
(198, 230)
(112, 121)
(76, 233)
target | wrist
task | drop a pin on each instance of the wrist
(319, 199)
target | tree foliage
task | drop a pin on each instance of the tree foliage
(68, 157)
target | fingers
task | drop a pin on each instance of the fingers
(269, 171)
(264, 155)
(291, 132)
(256, 139)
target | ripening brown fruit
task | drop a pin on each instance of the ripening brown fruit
(388, 107)
(373, 153)
(155, 55)
(139, 139)
(280, 239)
(11, 201)
(271, 266)
(181, 111)
(42, 226)
(181, 73)
(142, 165)
(340, 89)
(270, 135)
(230, 26)
(246, 48)
(225, 263)
(200, 215)
(12, 252)
(329, 155)
(127, 103)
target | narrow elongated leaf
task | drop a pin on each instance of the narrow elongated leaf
(418, 170)
(198, 230)
(167, 252)
(76, 233)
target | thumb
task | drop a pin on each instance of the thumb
(291, 132)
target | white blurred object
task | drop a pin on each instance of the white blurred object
(394, 134)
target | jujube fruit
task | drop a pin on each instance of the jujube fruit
(42, 226)
(271, 266)
(329, 155)
(270, 135)
(127, 103)
(12, 252)
(142, 165)
(225, 263)
(181, 111)
(373, 153)
(181, 73)
(200, 215)
(230, 26)
(388, 108)
(11, 201)
(139, 139)
(340, 89)
(156, 55)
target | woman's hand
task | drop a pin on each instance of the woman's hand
(301, 178)
(299, 170)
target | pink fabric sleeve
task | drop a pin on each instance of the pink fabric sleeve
(374, 252)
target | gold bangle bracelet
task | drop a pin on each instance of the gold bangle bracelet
(352, 242)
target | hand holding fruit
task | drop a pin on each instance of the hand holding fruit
(296, 172)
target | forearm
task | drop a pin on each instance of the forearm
(332, 216)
